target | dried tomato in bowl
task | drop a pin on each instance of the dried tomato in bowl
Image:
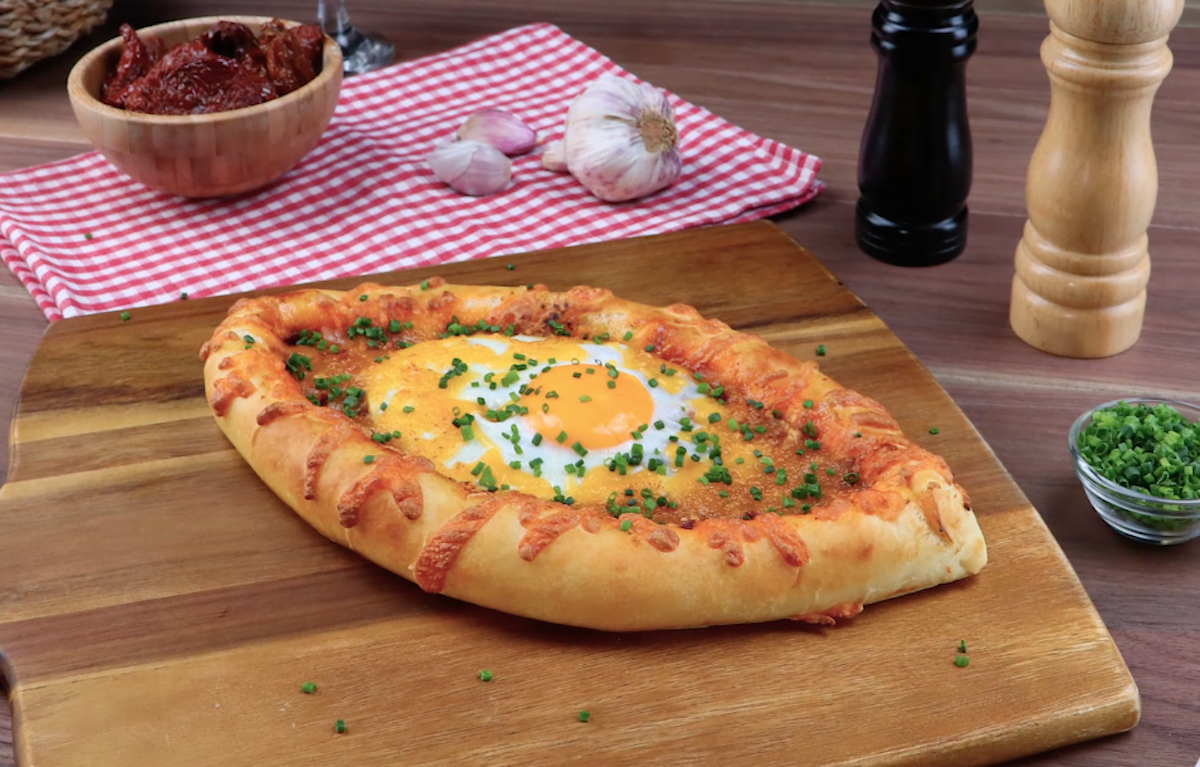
(226, 68)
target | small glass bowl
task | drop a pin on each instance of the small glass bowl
(1131, 513)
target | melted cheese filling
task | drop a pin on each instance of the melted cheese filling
(584, 422)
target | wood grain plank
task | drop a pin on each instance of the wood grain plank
(637, 716)
(185, 594)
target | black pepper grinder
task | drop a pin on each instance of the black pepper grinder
(914, 164)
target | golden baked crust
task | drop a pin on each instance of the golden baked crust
(903, 525)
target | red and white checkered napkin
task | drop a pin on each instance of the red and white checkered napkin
(84, 238)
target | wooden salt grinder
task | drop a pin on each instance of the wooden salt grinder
(1082, 264)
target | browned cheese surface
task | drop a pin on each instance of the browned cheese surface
(163, 607)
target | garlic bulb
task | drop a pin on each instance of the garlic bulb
(471, 167)
(554, 157)
(497, 128)
(621, 141)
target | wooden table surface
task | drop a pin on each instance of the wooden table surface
(803, 74)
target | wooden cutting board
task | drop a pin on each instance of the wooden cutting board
(158, 606)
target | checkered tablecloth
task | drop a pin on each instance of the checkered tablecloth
(83, 238)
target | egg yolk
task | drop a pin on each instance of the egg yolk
(579, 401)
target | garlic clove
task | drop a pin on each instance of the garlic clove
(471, 167)
(554, 157)
(500, 129)
(621, 142)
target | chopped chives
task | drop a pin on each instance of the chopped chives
(628, 335)
(308, 688)
(561, 438)
(485, 675)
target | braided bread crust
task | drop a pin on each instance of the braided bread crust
(906, 526)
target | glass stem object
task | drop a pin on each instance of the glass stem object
(359, 52)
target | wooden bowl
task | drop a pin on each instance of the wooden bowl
(208, 155)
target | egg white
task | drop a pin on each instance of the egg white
(668, 408)
(464, 393)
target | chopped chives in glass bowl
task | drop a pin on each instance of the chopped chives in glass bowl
(1139, 462)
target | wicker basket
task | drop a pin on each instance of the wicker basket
(32, 30)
